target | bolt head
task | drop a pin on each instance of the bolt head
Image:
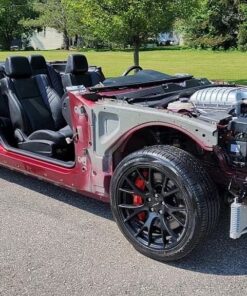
(160, 212)
(156, 195)
(152, 209)
(163, 203)
(149, 199)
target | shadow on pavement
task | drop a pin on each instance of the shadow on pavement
(219, 254)
(63, 195)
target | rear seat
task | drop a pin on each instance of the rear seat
(40, 66)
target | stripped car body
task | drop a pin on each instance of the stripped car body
(121, 116)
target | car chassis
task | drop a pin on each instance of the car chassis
(132, 135)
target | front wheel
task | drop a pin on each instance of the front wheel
(164, 202)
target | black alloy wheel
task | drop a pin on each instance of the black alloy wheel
(164, 202)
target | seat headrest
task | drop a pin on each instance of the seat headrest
(76, 64)
(37, 62)
(18, 67)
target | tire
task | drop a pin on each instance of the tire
(164, 202)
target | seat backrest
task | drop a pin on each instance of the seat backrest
(4, 107)
(2, 72)
(40, 66)
(6, 128)
(76, 72)
(32, 106)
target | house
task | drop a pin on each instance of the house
(46, 39)
(171, 38)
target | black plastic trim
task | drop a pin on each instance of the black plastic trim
(68, 165)
(147, 83)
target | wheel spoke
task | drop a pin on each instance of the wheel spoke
(165, 227)
(172, 192)
(163, 236)
(150, 180)
(165, 182)
(149, 226)
(135, 189)
(178, 220)
(140, 230)
(147, 182)
(170, 209)
(130, 207)
(141, 175)
(126, 190)
(137, 210)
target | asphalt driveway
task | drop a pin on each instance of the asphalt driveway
(54, 242)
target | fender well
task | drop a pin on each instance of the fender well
(158, 135)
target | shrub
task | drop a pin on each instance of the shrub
(242, 38)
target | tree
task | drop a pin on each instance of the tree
(242, 34)
(62, 15)
(133, 21)
(214, 24)
(12, 15)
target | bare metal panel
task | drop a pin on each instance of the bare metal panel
(112, 120)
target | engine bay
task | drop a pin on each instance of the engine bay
(227, 107)
(221, 104)
(232, 126)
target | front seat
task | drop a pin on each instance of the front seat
(39, 66)
(4, 109)
(2, 72)
(76, 72)
(35, 110)
(5, 123)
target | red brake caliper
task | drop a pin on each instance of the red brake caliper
(137, 199)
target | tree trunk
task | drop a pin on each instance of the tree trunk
(6, 45)
(76, 40)
(136, 54)
(7, 41)
(66, 40)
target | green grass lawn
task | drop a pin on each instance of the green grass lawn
(229, 66)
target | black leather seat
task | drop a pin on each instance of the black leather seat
(39, 66)
(76, 72)
(2, 72)
(35, 110)
(4, 108)
(5, 123)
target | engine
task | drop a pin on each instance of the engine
(233, 100)
(233, 133)
(227, 108)
(237, 145)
